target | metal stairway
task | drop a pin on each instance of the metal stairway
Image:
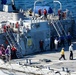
(11, 39)
(62, 28)
(53, 24)
(59, 28)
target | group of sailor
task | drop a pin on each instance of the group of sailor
(7, 53)
(61, 14)
(44, 12)
(39, 13)
(56, 41)
(8, 28)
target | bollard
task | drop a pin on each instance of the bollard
(26, 61)
(63, 69)
(19, 63)
(29, 61)
(48, 68)
(45, 67)
(66, 69)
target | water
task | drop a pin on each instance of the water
(66, 4)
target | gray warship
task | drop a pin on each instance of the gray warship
(18, 28)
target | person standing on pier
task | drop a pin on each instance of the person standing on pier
(8, 53)
(14, 49)
(56, 44)
(62, 54)
(71, 52)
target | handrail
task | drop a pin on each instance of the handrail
(59, 3)
(10, 37)
(55, 28)
(58, 27)
(17, 43)
(19, 52)
(35, 4)
(62, 28)
(8, 40)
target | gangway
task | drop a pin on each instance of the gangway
(62, 28)
(11, 40)
(8, 38)
(53, 23)
(59, 28)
